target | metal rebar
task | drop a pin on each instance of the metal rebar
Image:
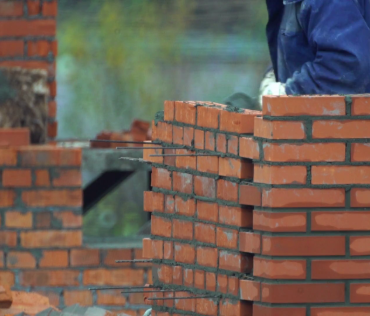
(158, 291)
(183, 155)
(181, 298)
(148, 148)
(118, 141)
(122, 288)
(134, 261)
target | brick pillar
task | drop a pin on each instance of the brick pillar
(278, 225)
(27, 40)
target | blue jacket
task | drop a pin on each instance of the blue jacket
(320, 46)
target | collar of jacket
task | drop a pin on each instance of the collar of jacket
(291, 1)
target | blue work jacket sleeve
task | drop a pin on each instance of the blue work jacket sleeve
(340, 37)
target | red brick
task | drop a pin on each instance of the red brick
(20, 260)
(182, 229)
(184, 253)
(279, 269)
(53, 296)
(303, 293)
(227, 190)
(250, 290)
(10, 28)
(44, 156)
(238, 308)
(199, 279)
(233, 286)
(241, 123)
(114, 277)
(342, 311)
(10, 8)
(360, 152)
(7, 198)
(250, 242)
(149, 150)
(165, 274)
(46, 239)
(8, 238)
(227, 238)
(7, 278)
(199, 139)
(15, 219)
(153, 202)
(157, 249)
(184, 207)
(42, 220)
(259, 310)
(54, 259)
(360, 105)
(42, 178)
(147, 248)
(280, 174)
(360, 293)
(111, 297)
(303, 246)
(67, 178)
(81, 297)
(233, 145)
(341, 129)
(278, 197)
(189, 136)
(164, 132)
(207, 257)
(85, 257)
(210, 281)
(210, 141)
(318, 152)
(8, 157)
(235, 216)
(236, 262)
(340, 175)
(169, 204)
(279, 222)
(34, 7)
(360, 197)
(1, 259)
(169, 110)
(238, 168)
(204, 186)
(161, 178)
(205, 233)
(161, 226)
(27, 64)
(15, 136)
(187, 305)
(50, 278)
(52, 109)
(178, 135)
(44, 198)
(207, 164)
(186, 162)
(248, 148)
(278, 129)
(250, 195)
(183, 182)
(207, 211)
(11, 48)
(340, 221)
(177, 275)
(49, 8)
(53, 93)
(360, 245)
(188, 277)
(206, 306)
(222, 283)
(69, 219)
(17, 178)
(221, 144)
(39, 48)
(310, 106)
(340, 269)
(208, 117)
(185, 112)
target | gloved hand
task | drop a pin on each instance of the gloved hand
(269, 86)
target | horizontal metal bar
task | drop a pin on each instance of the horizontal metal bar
(133, 261)
(184, 155)
(159, 291)
(141, 148)
(181, 298)
(117, 141)
(122, 288)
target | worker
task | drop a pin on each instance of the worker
(317, 47)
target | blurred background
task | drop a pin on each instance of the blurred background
(120, 59)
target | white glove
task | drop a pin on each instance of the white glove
(269, 86)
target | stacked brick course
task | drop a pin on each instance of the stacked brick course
(27, 40)
(41, 242)
(277, 223)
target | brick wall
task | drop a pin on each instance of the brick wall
(27, 40)
(41, 244)
(278, 224)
